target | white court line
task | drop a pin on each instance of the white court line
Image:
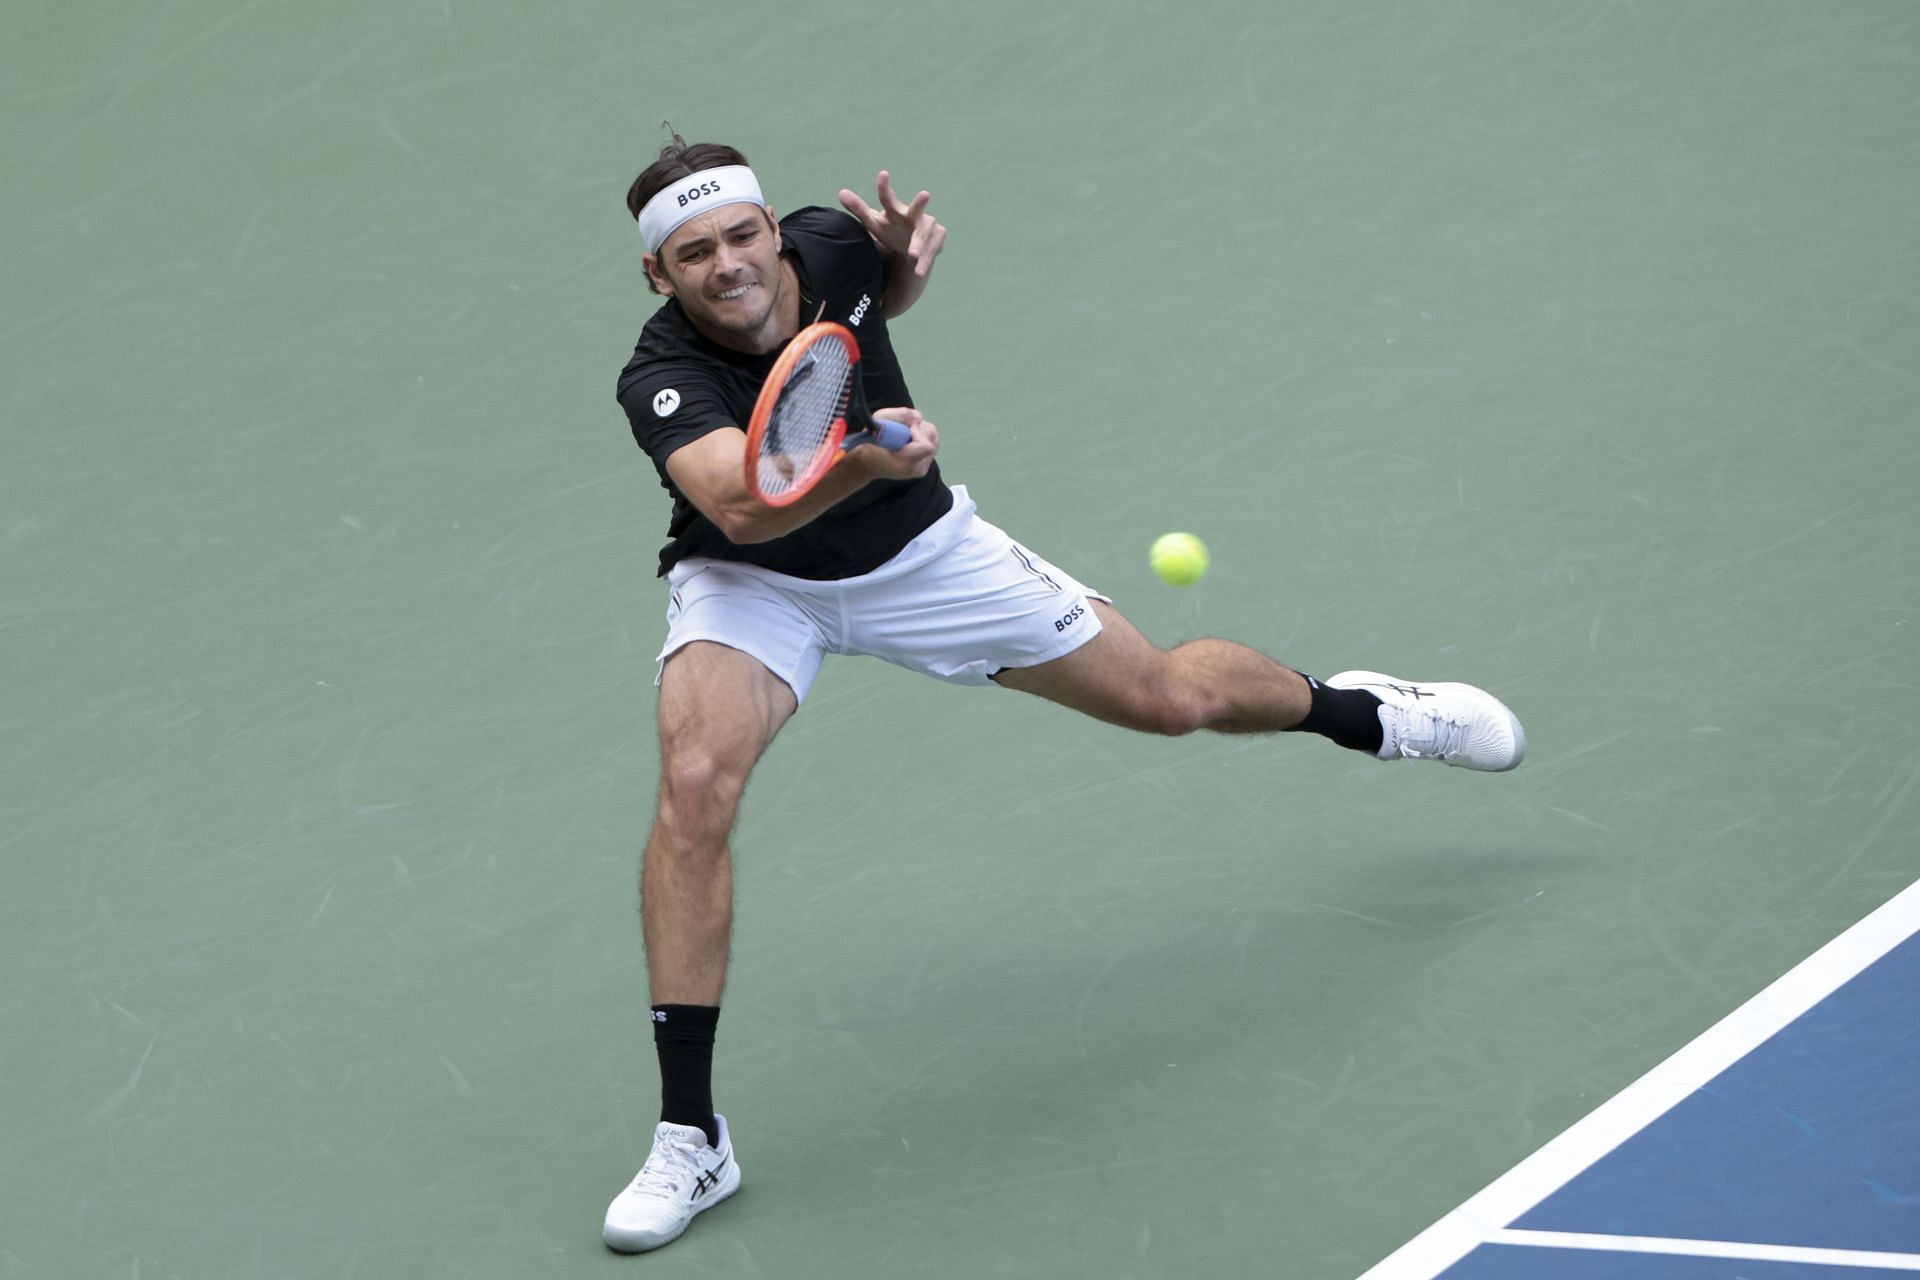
(1654, 1094)
(1709, 1249)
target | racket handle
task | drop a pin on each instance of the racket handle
(891, 435)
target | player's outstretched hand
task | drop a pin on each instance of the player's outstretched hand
(902, 231)
(911, 460)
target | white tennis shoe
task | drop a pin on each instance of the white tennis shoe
(682, 1176)
(1455, 724)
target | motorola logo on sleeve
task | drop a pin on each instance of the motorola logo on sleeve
(665, 403)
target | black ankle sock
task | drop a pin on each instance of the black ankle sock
(1351, 717)
(683, 1037)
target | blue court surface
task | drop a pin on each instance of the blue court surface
(1784, 1143)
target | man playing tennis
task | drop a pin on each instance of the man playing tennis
(881, 558)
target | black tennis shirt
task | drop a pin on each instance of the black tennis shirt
(679, 386)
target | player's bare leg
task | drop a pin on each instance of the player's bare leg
(719, 711)
(1123, 678)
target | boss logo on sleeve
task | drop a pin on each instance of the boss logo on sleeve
(666, 402)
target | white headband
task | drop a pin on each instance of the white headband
(692, 196)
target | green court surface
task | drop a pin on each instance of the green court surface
(1568, 348)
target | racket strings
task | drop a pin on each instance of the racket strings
(800, 427)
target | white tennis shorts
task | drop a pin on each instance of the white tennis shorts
(960, 602)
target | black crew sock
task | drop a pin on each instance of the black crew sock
(1351, 717)
(683, 1037)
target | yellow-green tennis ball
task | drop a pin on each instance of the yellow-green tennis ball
(1179, 558)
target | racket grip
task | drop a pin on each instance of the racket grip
(891, 435)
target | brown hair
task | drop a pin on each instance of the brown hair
(677, 159)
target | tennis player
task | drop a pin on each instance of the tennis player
(881, 558)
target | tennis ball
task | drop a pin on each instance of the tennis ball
(1179, 558)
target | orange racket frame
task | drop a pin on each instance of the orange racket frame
(826, 454)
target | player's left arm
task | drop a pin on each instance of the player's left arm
(908, 237)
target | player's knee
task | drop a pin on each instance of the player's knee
(1184, 716)
(1169, 710)
(699, 790)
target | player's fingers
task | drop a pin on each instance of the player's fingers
(853, 204)
(930, 241)
(888, 201)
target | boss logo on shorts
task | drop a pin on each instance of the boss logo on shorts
(1073, 615)
(665, 403)
(691, 194)
(860, 312)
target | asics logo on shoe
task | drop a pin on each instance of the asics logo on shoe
(1411, 690)
(709, 1180)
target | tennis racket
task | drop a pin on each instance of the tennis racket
(811, 410)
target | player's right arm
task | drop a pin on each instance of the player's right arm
(711, 472)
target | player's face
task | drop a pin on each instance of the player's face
(724, 267)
